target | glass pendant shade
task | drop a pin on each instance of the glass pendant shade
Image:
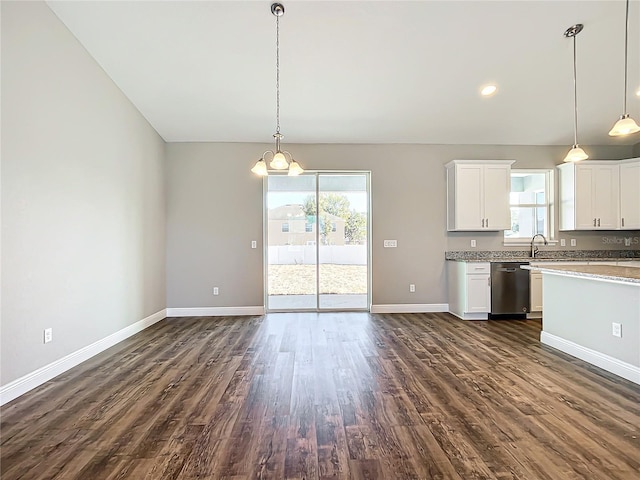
(279, 161)
(294, 168)
(624, 126)
(260, 168)
(576, 154)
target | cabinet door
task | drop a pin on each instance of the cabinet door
(478, 294)
(497, 185)
(468, 205)
(536, 291)
(630, 196)
(584, 201)
(605, 195)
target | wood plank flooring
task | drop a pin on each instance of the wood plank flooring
(327, 396)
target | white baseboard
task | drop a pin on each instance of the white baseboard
(36, 378)
(410, 308)
(610, 364)
(471, 316)
(214, 311)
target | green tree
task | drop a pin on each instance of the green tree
(355, 231)
(332, 204)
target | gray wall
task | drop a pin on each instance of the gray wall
(83, 197)
(215, 210)
(581, 310)
(636, 150)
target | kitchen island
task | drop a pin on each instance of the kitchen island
(593, 312)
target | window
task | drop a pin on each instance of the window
(333, 226)
(308, 227)
(531, 204)
(285, 227)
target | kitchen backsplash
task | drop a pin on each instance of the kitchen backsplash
(573, 254)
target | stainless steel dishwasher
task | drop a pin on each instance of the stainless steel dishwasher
(509, 289)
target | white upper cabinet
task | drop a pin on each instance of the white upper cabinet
(630, 194)
(589, 195)
(478, 195)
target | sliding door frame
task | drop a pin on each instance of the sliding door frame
(265, 240)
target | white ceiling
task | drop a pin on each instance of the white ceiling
(367, 71)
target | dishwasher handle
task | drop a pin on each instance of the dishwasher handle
(507, 269)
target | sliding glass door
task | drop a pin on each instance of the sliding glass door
(317, 241)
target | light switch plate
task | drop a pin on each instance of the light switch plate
(563, 242)
(573, 242)
(390, 243)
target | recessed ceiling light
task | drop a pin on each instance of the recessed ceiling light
(488, 90)
(638, 92)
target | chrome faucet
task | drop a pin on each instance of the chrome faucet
(534, 249)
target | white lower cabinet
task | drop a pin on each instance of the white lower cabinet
(535, 289)
(469, 289)
(478, 293)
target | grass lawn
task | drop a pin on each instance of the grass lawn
(301, 279)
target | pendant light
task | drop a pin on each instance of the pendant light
(279, 159)
(576, 153)
(625, 124)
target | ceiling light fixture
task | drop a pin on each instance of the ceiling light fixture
(625, 124)
(576, 153)
(279, 159)
(488, 90)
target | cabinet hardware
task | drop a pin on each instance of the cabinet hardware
(483, 223)
(487, 223)
(623, 221)
(594, 222)
(598, 222)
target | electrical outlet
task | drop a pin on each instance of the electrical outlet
(412, 288)
(48, 335)
(473, 243)
(216, 291)
(563, 242)
(573, 242)
(254, 244)
(616, 329)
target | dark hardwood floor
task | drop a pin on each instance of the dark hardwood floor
(331, 395)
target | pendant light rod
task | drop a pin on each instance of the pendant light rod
(571, 33)
(576, 153)
(278, 10)
(575, 95)
(626, 50)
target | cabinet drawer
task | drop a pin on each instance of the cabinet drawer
(482, 267)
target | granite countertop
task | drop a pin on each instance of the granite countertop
(601, 272)
(544, 256)
(542, 259)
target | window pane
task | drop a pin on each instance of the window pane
(530, 207)
(522, 198)
(528, 189)
(541, 221)
(526, 222)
